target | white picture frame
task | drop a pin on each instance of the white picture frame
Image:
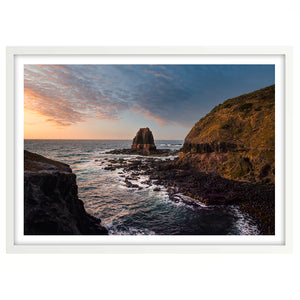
(164, 246)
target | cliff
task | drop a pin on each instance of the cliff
(51, 204)
(236, 139)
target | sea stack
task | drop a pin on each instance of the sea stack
(143, 142)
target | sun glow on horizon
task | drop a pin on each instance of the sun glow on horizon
(37, 126)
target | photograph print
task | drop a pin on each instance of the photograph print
(163, 149)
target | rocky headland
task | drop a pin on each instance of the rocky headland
(51, 204)
(236, 139)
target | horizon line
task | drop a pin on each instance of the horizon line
(129, 139)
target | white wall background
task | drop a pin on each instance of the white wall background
(144, 23)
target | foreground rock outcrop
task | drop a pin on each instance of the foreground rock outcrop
(51, 204)
(236, 139)
(143, 142)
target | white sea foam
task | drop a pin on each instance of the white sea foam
(244, 224)
(113, 230)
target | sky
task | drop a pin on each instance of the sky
(114, 101)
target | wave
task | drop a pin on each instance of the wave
(124, 230)
(170, 145)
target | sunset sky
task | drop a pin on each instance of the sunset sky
(114, 101)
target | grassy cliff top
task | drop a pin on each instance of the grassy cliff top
(247, 120)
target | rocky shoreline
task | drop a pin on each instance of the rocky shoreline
(198, 188)
(157, 152)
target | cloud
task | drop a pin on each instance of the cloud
(49, 106)
(148, 114)
(169, 94)
(157, 74)
(68, 94)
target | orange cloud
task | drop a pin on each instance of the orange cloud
(50, 107)
(148, 114)
(158, 74)
(59, 67)
(63, 85)
(162, 75)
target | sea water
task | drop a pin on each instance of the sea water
(129, 211)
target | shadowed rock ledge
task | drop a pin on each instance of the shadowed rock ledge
(51, 204)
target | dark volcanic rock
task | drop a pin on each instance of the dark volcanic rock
(256, 199)
(210, 147)
(143, 142)
(51, 204)
(185, 184)
(157, 152)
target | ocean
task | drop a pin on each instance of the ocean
(129, 211)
